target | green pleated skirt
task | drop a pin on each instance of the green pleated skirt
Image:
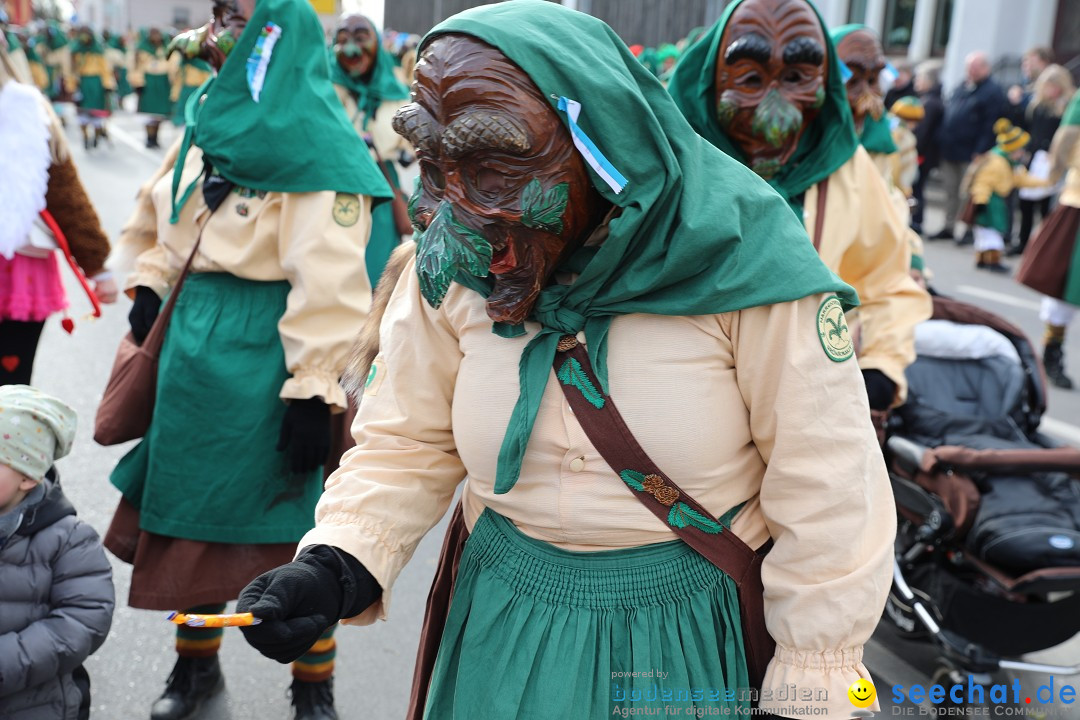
(93, 93)
(155, 96)
(535, 632)
(208, 468)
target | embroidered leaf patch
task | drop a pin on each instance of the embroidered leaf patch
(634, 479)
(571, 373)
(544, 210)
(682, 515)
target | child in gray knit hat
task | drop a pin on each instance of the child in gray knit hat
(55, 582)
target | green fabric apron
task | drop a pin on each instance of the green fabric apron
(207, 468)
(155, 96)
(93, 93)
(995, 214)
(539, 632)
(1072, 282)
(384, 235)
(123, 87)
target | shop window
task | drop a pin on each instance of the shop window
(899, 20)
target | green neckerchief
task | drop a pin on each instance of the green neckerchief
(296, 138)
(827, 143)
(1072, 111)
(876, 135)
(697, 232)
(371, 90)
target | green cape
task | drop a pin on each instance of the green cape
(876, 135)
(381, 83)
(1072, 111)
(93, 48)
(296, 138)
(698, 233)
(144, 42)
(827, 143)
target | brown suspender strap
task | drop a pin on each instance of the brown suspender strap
(819, 214)
(611, 437)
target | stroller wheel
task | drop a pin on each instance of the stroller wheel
(948, 676)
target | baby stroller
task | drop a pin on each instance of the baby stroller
(988, 543)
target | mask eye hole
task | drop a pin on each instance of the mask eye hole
(750, 80)
(433, 177)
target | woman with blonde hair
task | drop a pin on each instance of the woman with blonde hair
(1051, 94)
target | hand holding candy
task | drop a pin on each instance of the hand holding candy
(214, 621)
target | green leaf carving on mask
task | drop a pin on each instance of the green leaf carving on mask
(725, 112)
(414, 199)
(776, 119)
(544, 210)
(682, 515)
(819, 98)
(571, 373)
(226, 42)
(445, 248)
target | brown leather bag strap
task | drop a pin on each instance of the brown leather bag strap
(156, 337)
(819, 214)
(687, 518)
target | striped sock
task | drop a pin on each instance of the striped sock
(317, 664)
(1054, 334)
(199, 642)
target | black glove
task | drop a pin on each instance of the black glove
(299, 601)
(306, 430)
(143, 312)
(879, 389)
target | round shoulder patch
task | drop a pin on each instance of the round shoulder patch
(346, 209)
(833, 330)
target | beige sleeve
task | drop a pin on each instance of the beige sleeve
(381, 128)
(136, 252)
(331, 295)
(991, 177)
(877, 265)
(825, 497)
(398, 481)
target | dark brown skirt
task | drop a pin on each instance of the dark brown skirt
(175, 574)
(1048, 259)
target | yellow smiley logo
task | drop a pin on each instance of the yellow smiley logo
(862, 693)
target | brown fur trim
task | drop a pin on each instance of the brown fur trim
(66, 199)
(366, 346)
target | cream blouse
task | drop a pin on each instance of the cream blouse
(738, 407)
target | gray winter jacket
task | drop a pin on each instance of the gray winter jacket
(56, 605)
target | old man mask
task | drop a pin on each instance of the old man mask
(861, 52)
(502, 190)
(356, 45)
(770, 79)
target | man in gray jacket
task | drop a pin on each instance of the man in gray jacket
(56, 586)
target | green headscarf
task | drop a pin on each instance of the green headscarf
(380, 84)
(144, 42)
(1072, 111)
(296, 137)
(94, 47)
(697, 234)
(57, 38)
(876, 135)
(116, 42)
(826, 144)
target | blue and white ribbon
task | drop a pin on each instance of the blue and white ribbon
(260, 58)
(588, 149)
(845, 72)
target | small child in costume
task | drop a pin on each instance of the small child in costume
(56, 586)
(993, 179)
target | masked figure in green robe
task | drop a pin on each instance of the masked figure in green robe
(364, 77)
(276, 188)
(565, 206)
(766, 86)
(151, 78)
(96, 83)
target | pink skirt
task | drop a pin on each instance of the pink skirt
(30, 288)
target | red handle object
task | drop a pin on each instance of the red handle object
(62, 243)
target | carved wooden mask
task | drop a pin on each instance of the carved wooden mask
(502, 188)
(861, 52)
(356, 45)
(770, 79)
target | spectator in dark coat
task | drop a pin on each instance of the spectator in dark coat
(967, 130)
(927, 85)
(1032, 65)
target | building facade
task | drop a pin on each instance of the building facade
(122, 15)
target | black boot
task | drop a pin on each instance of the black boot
(1054, 362)
(313, 700)
(192, 682)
